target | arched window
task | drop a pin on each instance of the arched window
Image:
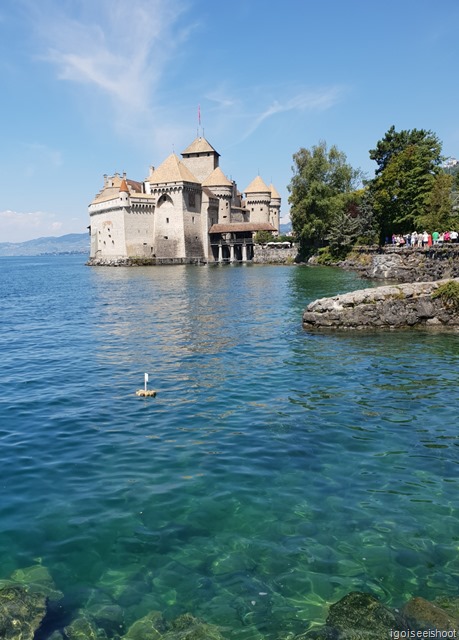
(163, 199)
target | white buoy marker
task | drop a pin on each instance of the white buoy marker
(146, 380)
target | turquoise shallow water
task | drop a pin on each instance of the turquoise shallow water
(274, 472)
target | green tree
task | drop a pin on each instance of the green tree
(408, 163)
(439, 206)
(262, 237)
(321, 187)
(343, 232)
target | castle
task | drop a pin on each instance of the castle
(185, 211)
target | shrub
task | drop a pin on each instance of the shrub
(449, 294)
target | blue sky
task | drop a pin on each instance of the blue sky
(96, 86)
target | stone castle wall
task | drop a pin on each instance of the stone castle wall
(263, 254)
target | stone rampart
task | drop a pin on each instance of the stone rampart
(391, 307)
(272, 254)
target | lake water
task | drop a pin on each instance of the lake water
(274, 472)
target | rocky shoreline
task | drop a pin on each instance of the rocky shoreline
(417, 304)
(427, 296)
(32, 608)
(404, 264)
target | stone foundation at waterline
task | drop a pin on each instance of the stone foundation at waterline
(272, 254)
(392, 307)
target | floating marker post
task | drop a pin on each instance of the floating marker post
(146, 380)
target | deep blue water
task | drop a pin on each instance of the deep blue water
(274, 472)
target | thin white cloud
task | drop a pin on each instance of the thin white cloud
(116, 47)
(307, 100)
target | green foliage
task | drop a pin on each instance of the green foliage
(439, 207)
(262, 237)
(324, 256)
(342, 234)
(449, 294)
(319, 190)
(408, 164)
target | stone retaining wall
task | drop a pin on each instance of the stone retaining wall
(140, 262)
(274, 255)
(395, 306)
(405, 264)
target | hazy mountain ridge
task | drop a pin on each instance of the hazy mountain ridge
(70, 243)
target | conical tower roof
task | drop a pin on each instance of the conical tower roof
(172, 170)
(217, 179)
(199, 145)
(123, 186)
(274, 194)
(257, 186)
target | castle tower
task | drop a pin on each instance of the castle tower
(258, 199)
(200, 158)
(178, 222)
(220, 186)
(124, 193)
(274, 208)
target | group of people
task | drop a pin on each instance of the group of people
(424, 239)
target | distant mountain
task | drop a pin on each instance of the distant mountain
(285, 228)
(70, 243)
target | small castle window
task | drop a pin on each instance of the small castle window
(192, 219)
(166, 237)
(167, 220)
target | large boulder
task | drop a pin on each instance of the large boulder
(359, 616)
(423, 615)
(21, 613)
(390, 307)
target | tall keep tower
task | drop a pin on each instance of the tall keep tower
(200, 158)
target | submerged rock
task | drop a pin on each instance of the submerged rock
(21, 613)
(423, 615)
(359, 616)
(84, 628)
(150, 626)
(185, 627)
(37, 579)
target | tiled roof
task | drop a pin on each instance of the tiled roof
(257, 186)
(134, 185)
(172, 170)
(200, 145)
(241, 226)
(274, 193)
(217, 179)
(123, 186)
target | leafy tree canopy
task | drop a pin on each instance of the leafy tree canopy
(408, 164)
(321, 187)
(394, 142)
